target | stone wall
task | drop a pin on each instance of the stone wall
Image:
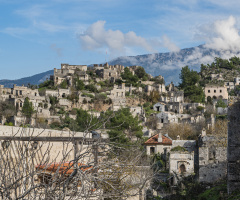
(212, 158)
(233, 154)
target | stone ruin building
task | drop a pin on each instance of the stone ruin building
(212, 157)
(215, 92)
(66, 72)
(109, 72)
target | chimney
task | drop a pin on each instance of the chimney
(159, 137)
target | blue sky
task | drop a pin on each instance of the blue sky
(36, 36)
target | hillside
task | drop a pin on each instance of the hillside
(220, 71)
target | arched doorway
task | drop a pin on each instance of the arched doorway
(209, 100)
(182, 168)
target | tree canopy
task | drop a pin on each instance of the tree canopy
(124, 126)
(141, 74)
(129, 77)
(7, 109)
(190, 85)
(27, 108)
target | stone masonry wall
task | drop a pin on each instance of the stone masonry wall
(233, 154)
(212, 158)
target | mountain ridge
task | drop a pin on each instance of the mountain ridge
(33, 80)
(168, 64)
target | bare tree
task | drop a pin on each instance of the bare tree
(38, 165)
(184, 130)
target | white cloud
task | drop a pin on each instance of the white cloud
(221, 36)
(96, 37)
(224, 35)
(169, 44)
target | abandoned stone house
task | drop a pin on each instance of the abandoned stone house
(83, 76)
(17, 95)
(159, 107)
(117, 94)
(108, 72)
(190, 106)
(207, 158)
(59, 93)
(136, 110)
(183, 162)
(180, 163)
(215, 92)
(229, 85)
(156, 87)
(167, 117)
(158, 143)
(175, 107)
(18, 91)
(212, 157)
(66, 72)
(173, 96)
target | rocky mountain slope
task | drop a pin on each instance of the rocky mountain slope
(169, 64)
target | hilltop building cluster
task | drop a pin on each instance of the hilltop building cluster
(158, 107)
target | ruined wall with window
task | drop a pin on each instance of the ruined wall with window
(216, 92)
(212, 158)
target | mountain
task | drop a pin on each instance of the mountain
(169, 65)
(33, 80)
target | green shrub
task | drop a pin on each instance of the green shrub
(63, 84)
(200, 108)
(101, 96)
(178, 148)
(8, 124)
(87, 95)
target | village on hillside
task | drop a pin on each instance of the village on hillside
(158, 134)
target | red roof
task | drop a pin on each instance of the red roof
(65, 168)
(154, 140)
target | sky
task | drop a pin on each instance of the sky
(37, 36)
